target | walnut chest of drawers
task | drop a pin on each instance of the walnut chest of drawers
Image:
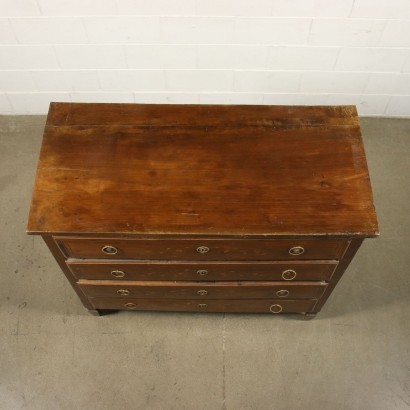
(202, 208)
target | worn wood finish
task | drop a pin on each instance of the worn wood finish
(206, 170)
(210, 305)
(342, 266)
(204, 290)
(200, 116)
(246, 183)
(200, 271)
(59, 257)
(219, 249)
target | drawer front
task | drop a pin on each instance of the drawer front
(207, 249)
(206, 290)
(194, 305)
(194, 271)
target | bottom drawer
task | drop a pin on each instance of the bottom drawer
(186, 305)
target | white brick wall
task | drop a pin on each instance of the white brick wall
(206, 51)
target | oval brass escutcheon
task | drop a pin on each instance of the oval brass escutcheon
(130, 305)
(282, 293)
(202, 249)
(289, 274)
(296, 250)
(110, 250)
(202, 292)
(118, 273)
(202, 272)
(275, 308)
(202, 305)
(123, 292)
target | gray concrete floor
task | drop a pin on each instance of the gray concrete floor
(354, 355)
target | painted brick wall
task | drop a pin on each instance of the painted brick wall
(206, 51)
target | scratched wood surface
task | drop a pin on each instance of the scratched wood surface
(202, 170)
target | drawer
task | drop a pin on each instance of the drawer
(207, 249)
(206, 290)
(194, 305)
(194, 271)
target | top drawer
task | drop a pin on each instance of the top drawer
(196, 249)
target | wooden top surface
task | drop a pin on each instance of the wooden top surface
(202, 170)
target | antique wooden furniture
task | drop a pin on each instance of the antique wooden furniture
(202, 208)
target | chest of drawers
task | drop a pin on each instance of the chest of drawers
(202, 208)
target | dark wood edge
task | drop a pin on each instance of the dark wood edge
(200, 236)
(60, 258)
(170, 262)
(59, 112)
(102, 312)
(341, 267)
(131, 238)
(120, 305)
(237, 284)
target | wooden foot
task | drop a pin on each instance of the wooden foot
(309, 316)
(101, 312)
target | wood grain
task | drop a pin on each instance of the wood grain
(198, 116)
(341, 268)
(60, 259)
(202, 170)
(226, 271)
(194, 305)
(189, 290)
(157, 182)
(186, 249)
